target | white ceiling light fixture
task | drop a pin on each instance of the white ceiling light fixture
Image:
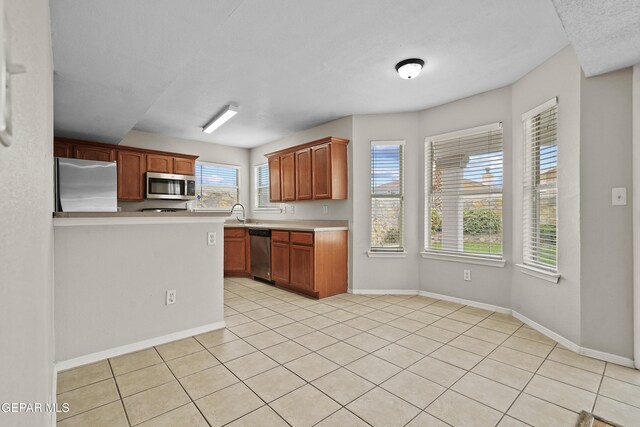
(409, 68)
(220, 119)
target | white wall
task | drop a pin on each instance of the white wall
(607, 242)
(490, 285)
(635, 110)
(378, 273)
(111, 282)
(207, 151)
(26, 233)
(555, 306)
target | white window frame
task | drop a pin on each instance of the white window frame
(549, 274)
(462, 257)
(236, 167)
(389, 252)
(276, 207)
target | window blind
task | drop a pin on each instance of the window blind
(387, 196)
(262, 188)
(463, 184)
(540, 182)
(216, 186)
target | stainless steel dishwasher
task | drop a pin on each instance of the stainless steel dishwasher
(260, 241)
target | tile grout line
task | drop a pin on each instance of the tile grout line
(124, 409)
(397, 303)
(181, 386)
(409, 333)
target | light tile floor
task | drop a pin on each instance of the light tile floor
(350, 360)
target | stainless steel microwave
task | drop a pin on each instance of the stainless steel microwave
(170, 187)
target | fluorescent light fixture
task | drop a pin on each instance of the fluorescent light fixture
(220, 119)
(409, 68)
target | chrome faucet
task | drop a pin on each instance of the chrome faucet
(244, 216)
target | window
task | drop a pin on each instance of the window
(540, 187)
(262, 188)
(463, 185)
(387, 196)
(217, 186)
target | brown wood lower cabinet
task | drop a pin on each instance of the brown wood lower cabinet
(313, 263)
(237, 261)
(280, 261)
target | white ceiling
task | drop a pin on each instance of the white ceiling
(169, 66)
(604, 33)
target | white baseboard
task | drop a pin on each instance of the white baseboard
(607, 357)
(129, 348)
(471, 303)
(547, 332)
(383, 291)
(596, 354)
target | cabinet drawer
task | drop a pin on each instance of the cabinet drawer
(301, 238)
(234, 232)
(279, 236)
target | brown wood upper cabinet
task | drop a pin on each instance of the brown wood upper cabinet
(102, 154)
(275, 193)
(131, 170)
(184, 166)
(63, 149)
(159, 163)
(288, 176)
(303, 175)
(322, 171)
(316, 170)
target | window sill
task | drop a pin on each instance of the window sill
(382, 254)
(539, 273)
(465, 259)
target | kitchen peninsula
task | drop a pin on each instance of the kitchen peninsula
(113, 271)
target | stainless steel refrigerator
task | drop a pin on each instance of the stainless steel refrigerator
(85, 186)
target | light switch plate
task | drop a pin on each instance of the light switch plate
(619, 196)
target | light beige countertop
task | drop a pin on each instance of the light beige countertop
(301, 225)
(64, 219)
(139, 214)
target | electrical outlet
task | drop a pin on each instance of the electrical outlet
(325, 209)
(171, 296)
(211, 238)
(467, 275)
(619, 196)
(292, 209)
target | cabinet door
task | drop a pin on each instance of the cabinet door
(321, 160)
(62, 149)
(235, 260)
(95, 153)
(288, 176)
(303, 175)
(159, 163)
(301, 259)
(131, 169)
(280, 262)
(274, 179)
(182, 166)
